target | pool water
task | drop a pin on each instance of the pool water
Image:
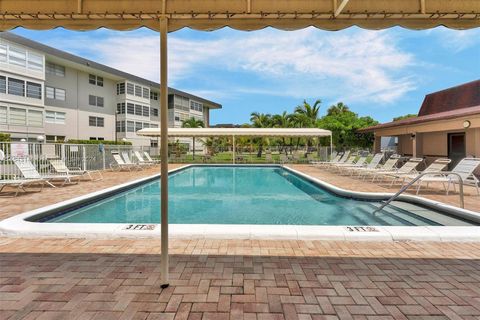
(245, 195)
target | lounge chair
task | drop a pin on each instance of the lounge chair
(149, 158)
(373, 164)
(29, 172)
(389, 165)
(352, 161)
(437, 166)
(127, 160)
(335, 159)
(342, 159)
(61, 168)
(141, 160)
(408, 168)
(464, 168)
(119, 164)
(21, 184)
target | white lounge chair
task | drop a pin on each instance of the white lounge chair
(389, 165)
(21, 184)
(61, 168)
(29, 172)
(119, 164)
(373, 164)
(407, 168)
(149, 158)
(342, 159)
(127, 160)
(141, 160)
(464, 168)
(352, 161)
(436, 166)
(335, 159)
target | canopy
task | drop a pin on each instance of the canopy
(237, 132)
(238, 14)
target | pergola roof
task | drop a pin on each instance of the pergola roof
(237, 132)
(238, 14)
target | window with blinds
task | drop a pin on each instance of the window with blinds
(34, 90)
(3, 84)
(55, 69)
(35, 62)
(18, 117)
(3, 52)
(35, 118)
(3, 114)
(16, 87)
(17, 56)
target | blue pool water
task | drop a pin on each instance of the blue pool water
(241, 195)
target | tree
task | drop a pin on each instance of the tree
(407, 116)
(193, 123)
(261, 120)
(311, 112)
(338, 108)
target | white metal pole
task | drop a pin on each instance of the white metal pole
(164, 151)
(331, 145)
(233, 151)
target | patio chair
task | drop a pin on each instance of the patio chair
(119, 164)
(464, 168)
(408, 168)
(61, 168)
(29, 172)
(127, 160)
(21, 184)
(149, 158)
(141, 160)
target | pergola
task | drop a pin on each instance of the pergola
(170, 15)
(238, 132)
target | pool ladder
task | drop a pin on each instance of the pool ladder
(421, 175)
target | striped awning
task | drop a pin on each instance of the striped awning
(238, 14)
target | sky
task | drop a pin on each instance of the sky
(382, 74)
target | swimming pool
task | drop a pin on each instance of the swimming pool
(246, 195)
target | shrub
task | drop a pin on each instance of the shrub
(4, 137)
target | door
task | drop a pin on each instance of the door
(456, 148)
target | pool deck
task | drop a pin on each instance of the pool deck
(45, 278)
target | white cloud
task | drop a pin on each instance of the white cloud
(359, 64)
(457, 40)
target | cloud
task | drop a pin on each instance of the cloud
(457, 40)
(357, 64)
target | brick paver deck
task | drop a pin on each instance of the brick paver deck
(232, 279)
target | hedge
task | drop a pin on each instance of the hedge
(4, 137)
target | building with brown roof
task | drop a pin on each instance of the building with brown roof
(447, 125)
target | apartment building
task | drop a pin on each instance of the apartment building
(49, 92)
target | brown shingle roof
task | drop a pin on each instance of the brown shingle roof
(459, 97)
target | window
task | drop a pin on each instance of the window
(138, 91)
(130, 126)
(35, 62)
(95, 80)
(17, 56)
(3, 114)
(16, 87)
(120, 126)
(155, 112)
(146, 93)
(55, 138)
(3, 52)
(55, 93)
(97, 138)
(35, 118)
(3, 84)
(121, 88)
(154, 143)
(130, 108)
(54, 117)
(138, 110)
(55, 69)
(138, 126)
(153, 95)
(34, 90)
(130, 89)
(146, 111)
(153, 125)
(95, 101)
(96, 121)
(18, 117)
(196, 106)
(121, 108)
(146, 125)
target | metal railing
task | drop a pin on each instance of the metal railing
(421, 175)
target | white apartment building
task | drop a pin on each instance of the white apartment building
(49, 92)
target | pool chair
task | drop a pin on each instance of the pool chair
(28, 170)
(334, 158)
(408, 168)
(373, 164)
(351, 162)
(149, 158)
(61, 168)
(464, 168)
(389, 165)
(141, 160)
(119, 164)
(342, 159)
(437, 166)
(21, 184)
(127, 160)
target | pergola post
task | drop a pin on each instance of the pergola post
(164, 152)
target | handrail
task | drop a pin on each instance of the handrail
(408, 185)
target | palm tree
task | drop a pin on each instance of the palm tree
(339, 108)
(193, 123)
(311, 112)
(261, 120)
(284, 120)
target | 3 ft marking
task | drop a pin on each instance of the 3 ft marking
(362, 229)
(140, 227)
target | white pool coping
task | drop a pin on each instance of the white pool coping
(17, 226)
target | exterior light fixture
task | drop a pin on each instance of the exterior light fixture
(466, 124)
(412, 136)
(40, 139)
(23, 140)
